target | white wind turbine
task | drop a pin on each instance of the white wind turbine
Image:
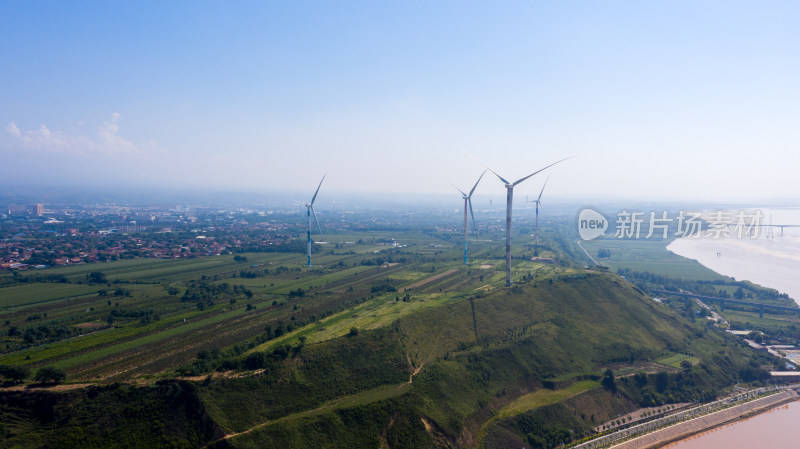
(538, 201)
(468, 204)
(309, 213)
(509, 199)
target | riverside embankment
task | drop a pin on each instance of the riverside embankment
(685, 429)
(658, 432)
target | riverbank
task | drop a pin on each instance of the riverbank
(773, 263)
(662, 437)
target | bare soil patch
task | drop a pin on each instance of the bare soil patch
(429, 280)
(94, 325)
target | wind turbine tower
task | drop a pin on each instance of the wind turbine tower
(538, 201)
(509, 199)
(468, 203)
(309, 213)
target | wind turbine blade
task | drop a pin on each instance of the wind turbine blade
(539, 200)
(540, 170)
(476, 184)
(320, 185)
(315, 218)
(501, 178)
(487, 167)
(462, 192)
(474, 226)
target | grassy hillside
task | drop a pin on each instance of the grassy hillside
(169, 415)
(488, 369)
(301, 380)
(479, 366)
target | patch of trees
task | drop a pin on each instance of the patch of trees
(298, 293)
(378, 261)
(577, 277)
(15, 374)
(96, 277)
(146, 316)
(283, 270)
(119, 292)
(549, 426)
(166, 415)
(621, 353)
(701, 382)
(383, 288)
(50, 375)
(17, 278)
(43, 333)
(252, 274)
(745, 289)
(207, 293)
(228, 359)
(608, 382)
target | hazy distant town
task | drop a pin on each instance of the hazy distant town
(37, 236)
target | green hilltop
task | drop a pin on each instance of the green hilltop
(458, 362)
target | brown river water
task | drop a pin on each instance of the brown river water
(775, 429)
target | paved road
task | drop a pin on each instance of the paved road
(587, 253)
(717, 317)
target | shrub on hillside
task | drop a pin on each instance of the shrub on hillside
(15, 374)
(49, 374)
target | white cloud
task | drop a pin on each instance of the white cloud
(110, 141)
(107, 139)
(12, 129)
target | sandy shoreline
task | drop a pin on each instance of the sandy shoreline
(772, 263)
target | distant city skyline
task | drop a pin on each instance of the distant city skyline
(675, 101)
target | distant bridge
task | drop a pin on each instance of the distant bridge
(722, 302)
(768, 226)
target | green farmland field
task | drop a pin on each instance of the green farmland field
(34, 293)
(648, 255)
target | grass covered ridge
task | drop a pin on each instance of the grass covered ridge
(483, 368)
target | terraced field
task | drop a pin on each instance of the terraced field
(136, 324)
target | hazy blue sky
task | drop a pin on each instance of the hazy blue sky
(656, 99)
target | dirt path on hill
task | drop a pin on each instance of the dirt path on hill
(414, 371)
(330, 405)
(35, 388)
(371, 395)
